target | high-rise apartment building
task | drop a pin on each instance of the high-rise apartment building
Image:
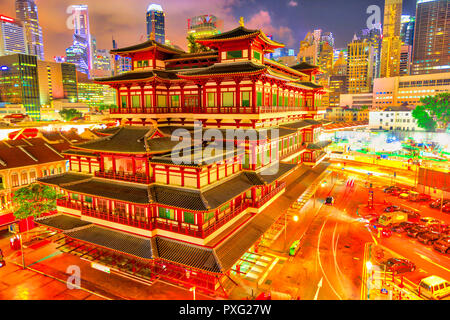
(391, 45)
(27, 13)
(156, 23)
(374, 37)
(405, 59)
(431, 37)
(12, 36)
(359, 66)
(56, 81)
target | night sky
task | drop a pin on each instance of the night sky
(287, 20)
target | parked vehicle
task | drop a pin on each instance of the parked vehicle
(403, 226)
(434, 287)
(442, 245)
(403, 195)
(416, 230)
(417, 197)
(390, 189)
(436, 204)
(396, 265)
(428, 221)
(446, 208)
(413, 216)
(392, 218)
(428, 237)
(391, 208)
(399, 191)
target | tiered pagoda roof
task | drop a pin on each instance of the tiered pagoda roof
(145, 46)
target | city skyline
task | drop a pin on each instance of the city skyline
(288, 23)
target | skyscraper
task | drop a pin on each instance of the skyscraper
(80, 52)
(359, 66)
(407, 30)
(391, 45)
(12, 36)
(431, 37)
(155, 22)
(26, 11)
(405, 60)
(374, 37)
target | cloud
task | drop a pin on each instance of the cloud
(263, 21)
(292, 3)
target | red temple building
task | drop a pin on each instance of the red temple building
(190, 218)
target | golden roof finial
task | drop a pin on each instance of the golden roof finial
(241, 21)
(152, 35)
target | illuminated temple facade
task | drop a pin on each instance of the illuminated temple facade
(126, 192)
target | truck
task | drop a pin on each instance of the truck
(388, 219)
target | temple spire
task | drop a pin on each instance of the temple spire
(241, 21)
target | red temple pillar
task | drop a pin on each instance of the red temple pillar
(182, 104)
(168, 97)
(198, 178)
(154, 97)
(205, 104)
(129, 97)
(254, 96)
(134, 165)
(113, 160)
(263, 94)
(199, 97)
(118, 100)
(143, 98)
(238, 93)
(218, 95)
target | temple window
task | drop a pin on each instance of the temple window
(228, 99)
(88, 201)
(74, 196)
(24, 178)
(140, 165)
(135, 101)
(166, 213)
(15, 180)
(162, 100)
(211, 99)
(280, 101)
(189, 217)
(32, 176)
(236, 54)
(208, 216)
(102, 205)
(139, 214)
(256, 55)
(245, 99)
(259, 98)
(148, 100)
(142, 63)
(224, 207)
(120, 209)
(175, 101)
(274, 100)
(123, 100)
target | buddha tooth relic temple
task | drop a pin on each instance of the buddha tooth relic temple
(190, 217)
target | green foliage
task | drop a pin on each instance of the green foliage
(107, 107)
(195, 47)
(69, 114)
(433, 112)
(34, 200)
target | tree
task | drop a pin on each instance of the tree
(69, 114)
(194, 46)
(34, 200)
(107, 107)
(433, 112)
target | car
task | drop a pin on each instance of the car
(441, 228)
(446, 208)
(329, 201)
(399, 191)
(403, 195)
(403, 226)
(413, 216)
(428, 237)
(389, 189)
(442, 245)
(428, 221)
(418, 197)
(436, 204)
(416, 230)
(397, 265)
(391, 208)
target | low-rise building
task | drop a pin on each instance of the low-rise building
(356, 100)
(346, 114)
(396, 91)
(393, 118)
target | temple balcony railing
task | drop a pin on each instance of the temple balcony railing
(270, 195)
(212, 110)
(178, 227)
(137, 177)
(115, 217)
(66, 203)
(226, 218)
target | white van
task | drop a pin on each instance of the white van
(434, 287)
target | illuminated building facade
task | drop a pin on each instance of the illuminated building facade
(19, 82)
(56, 81)
(204, 26)
(359, 66)
(396, 91)
(156, 23)
(80, 52)
(190, 222)
(374, 37)
(27, 13)
(405, 60)
(94, 94)
(393, 118)
(390, 48)
(431, 37)
(407, 30)
(12, 36)
(347, 114)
